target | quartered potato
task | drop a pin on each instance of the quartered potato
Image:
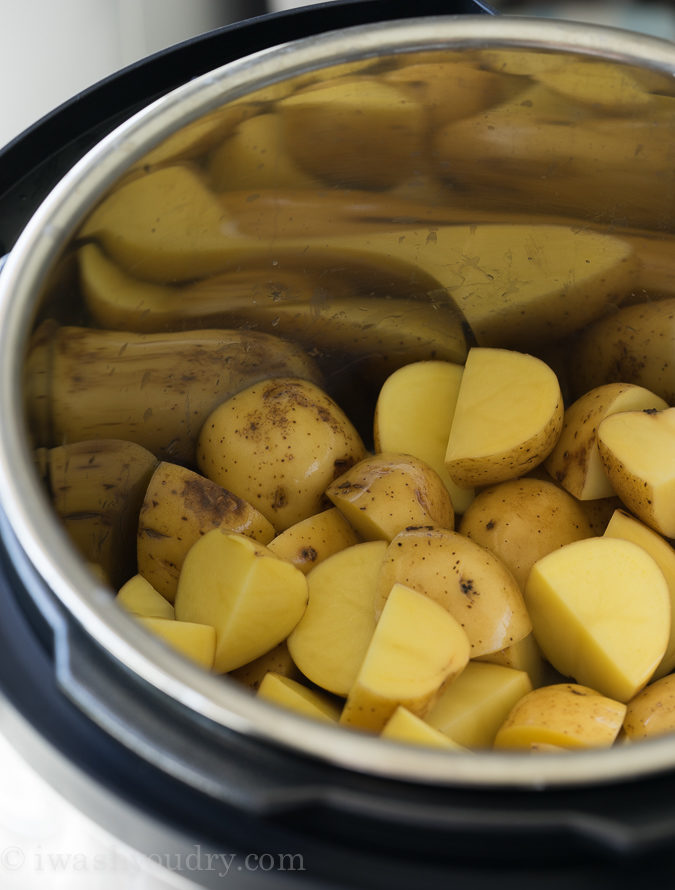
(507, 419)
(637, 449)
(416, 647)
(386, 493)
(600, 610)
(575, 461)
(565, 715)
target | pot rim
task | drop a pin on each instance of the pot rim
(24, 503)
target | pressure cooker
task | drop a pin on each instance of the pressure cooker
(187, 766)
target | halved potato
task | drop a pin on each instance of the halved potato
(417, 646)
(404, 726)
(507, 419)
(191, 639)
(329, 642)
(385, 493)
(637, 449)
(465, 578)
(624, 526)
(472, 708)
(310, 541)
(139, 597)
(566, 715)
(252, 598)
(575, 462)
(413, 415)
(600, 611)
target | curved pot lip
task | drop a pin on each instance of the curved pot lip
(25, 505)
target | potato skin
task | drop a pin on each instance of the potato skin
(278, 445)
(636, 344)
(522, 520)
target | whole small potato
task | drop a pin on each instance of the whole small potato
(522, 520)
(278, 445)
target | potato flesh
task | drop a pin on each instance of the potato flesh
(600, 611)
(191, 639)
(416, 647)
(139, 597)
(291, 694)
(413, 415)
(575, 461)
(330, 641)
(507, 418)
(624, 526)
(404, 726)
(637, 449)
(467, 580)
(471, 710)
(253, 599)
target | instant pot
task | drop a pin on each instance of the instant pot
(188, 767)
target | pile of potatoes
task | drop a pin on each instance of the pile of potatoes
(383, 433)
(497, 572)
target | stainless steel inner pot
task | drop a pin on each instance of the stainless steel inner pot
(588, 137)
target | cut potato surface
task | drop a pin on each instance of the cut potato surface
(624, 526)
(139, 597)
(637, 449)
(330, 641)
(191, 639)
(416, 647)
(507, 419)
(465, 578)
(404, 726)
(472, 708)
(293, 695)
(413, 415)
(575, 461)
(565, 715)
(600, 611)
(252, 598)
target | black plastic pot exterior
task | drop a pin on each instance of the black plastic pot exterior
(219, 791)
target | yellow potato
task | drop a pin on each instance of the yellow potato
(621, 525)
(652, 712)
(565, 715)
(525, 655)
(253, 599)
(465, 578)
(96, 488)
(404, 726)
(293, 695)
(191, 639)
(385, 493)
(354, 132)
(635, 344)
(600, 611)
(413, 415)
(471, 709)
(522, 520)
(310, 541)
(330, 641)
(179, 507)
(507, 418)
(637, 449)
(255, 157)
(139, 597)
(575, 462)
(276, 661)
(416, 647)
(278, 444)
